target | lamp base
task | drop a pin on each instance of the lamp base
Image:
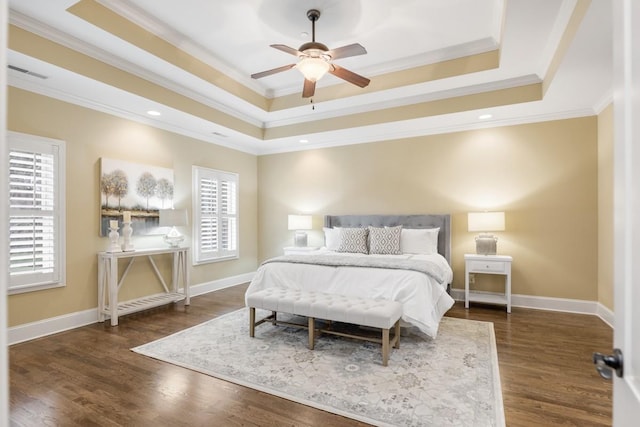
(300, 239)
(486, 244)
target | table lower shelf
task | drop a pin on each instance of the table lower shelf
(487, 298)
(145, 303)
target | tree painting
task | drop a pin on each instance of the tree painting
(164, 190)
(146, 187)
(140, 189)
(115, 184)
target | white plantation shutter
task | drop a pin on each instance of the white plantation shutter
(36, 213)
(215, 205)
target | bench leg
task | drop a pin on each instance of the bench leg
(252, 321)
(385, 346)
(397, 335)
(312, 331)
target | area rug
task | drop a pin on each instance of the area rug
(452, 380)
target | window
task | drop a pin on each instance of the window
(36, 213)
(215, 208)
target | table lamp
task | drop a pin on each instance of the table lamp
(484, 222)
(300, 223)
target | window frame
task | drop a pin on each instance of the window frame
(31, 282)
(198, 173)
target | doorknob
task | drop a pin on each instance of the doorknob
(606, 364)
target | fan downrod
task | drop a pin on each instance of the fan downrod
(313, 15)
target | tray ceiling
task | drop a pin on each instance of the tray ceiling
(435, 66)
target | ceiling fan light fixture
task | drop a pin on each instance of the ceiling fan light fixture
(313, 68)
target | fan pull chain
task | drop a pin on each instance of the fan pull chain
(313, 107)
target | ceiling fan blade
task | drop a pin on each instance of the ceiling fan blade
(346, 51)
(349, 76)
(274, 71)
(309, 88)
(286, 49)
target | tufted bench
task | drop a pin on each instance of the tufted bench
(382, 314)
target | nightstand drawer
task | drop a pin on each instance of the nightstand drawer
(488, 266)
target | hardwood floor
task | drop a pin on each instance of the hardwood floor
(88, 376)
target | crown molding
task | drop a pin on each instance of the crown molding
(66, 40)
(369, 134)
(395, 98)
(603, 102)
(36, 87)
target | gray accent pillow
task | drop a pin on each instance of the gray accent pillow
(353, 240)
(385, 241)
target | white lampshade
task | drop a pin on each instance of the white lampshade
(173, 218)
(486, 221)
(313, 68)
(300, 222)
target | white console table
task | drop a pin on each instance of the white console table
(109, 284)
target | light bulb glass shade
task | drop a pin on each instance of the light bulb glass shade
(173, 217)
(486, 221)
(300, 222)
(313, 68)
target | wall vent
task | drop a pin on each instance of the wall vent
(31, 73)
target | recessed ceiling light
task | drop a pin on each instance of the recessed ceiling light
(485, 116)
(154, 113)
(304, 141)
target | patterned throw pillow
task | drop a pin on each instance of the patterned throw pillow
(353, 240)
(385, 240)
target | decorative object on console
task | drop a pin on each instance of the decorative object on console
(484, 222)
(127, 231)
(114, 237)
(298, 223)
(173, 218)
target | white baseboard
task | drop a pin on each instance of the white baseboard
(54, 325)
(204, 288)
(553, 304)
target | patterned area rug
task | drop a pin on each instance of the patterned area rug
(450, 381)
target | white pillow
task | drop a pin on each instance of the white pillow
(331, 238)
(419, 241)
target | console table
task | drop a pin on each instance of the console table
(109, 284)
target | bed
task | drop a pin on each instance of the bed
(415, 271)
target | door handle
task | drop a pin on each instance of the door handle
(606, 364)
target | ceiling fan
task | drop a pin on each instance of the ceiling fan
(315, 60)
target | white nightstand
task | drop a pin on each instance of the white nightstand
(488, 264)
(300, 250)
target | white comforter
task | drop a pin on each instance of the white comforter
(424, 297)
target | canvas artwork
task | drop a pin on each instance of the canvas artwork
(136, 188)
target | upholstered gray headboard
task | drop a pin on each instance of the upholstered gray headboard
(408, 221)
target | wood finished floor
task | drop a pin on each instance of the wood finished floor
(88, 376)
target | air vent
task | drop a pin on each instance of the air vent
(23, 71)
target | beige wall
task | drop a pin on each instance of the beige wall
(90, 135)
(605, 207)
(544, 176)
